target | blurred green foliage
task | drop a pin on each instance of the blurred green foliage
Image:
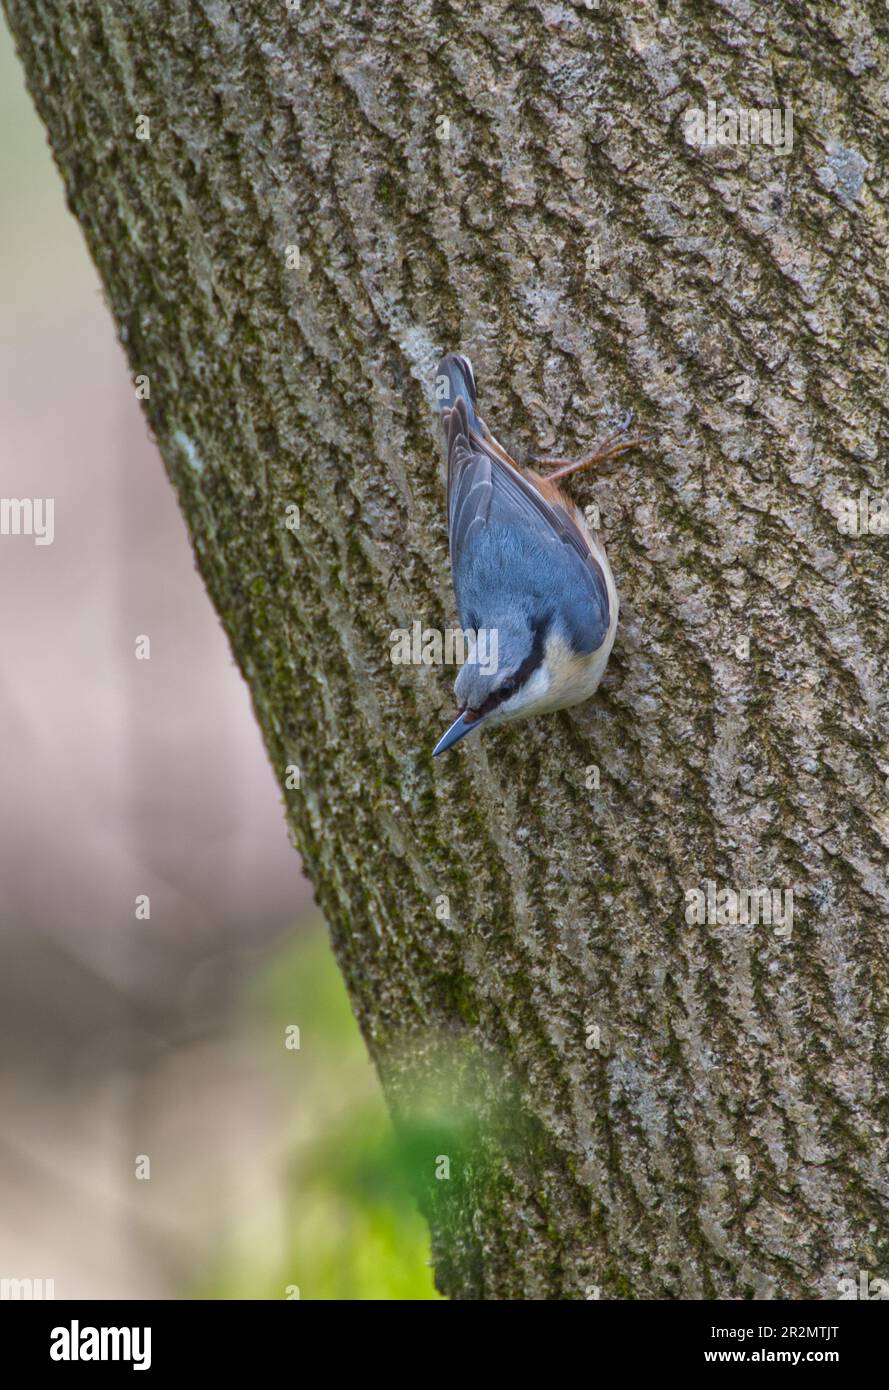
(353, 1228)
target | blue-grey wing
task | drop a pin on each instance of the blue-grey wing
(455, 380)
(497, 522)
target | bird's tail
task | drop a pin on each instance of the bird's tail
(455, 380)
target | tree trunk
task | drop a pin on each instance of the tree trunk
(292, 213)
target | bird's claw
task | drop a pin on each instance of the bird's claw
(617, 443)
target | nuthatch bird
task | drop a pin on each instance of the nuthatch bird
(528, 571)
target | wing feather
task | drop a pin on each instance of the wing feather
(485, 492)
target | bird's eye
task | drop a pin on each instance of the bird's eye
(508, 688)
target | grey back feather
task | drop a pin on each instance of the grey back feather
(517, 561)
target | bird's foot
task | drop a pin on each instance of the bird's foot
(611, 448)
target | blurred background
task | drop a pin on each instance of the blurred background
(271, 1168)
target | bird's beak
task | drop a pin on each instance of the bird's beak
(461, 726)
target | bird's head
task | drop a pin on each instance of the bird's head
(509, 673)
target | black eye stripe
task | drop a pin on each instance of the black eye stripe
(526, 670)
(534, 657)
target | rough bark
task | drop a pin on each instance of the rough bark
(517, 181)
